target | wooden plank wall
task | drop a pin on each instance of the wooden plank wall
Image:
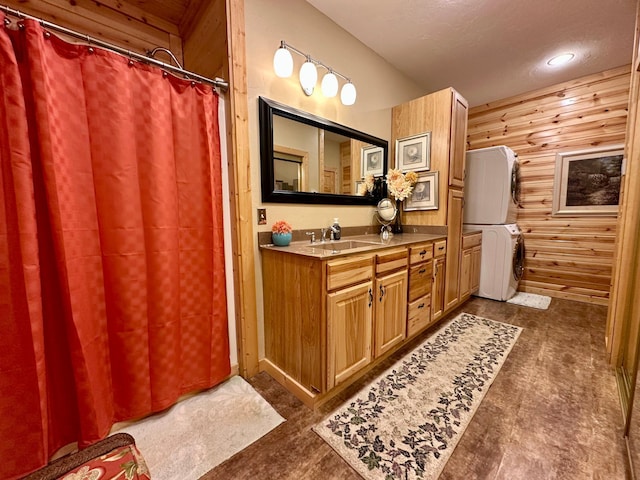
(567, 257)
(113, 21)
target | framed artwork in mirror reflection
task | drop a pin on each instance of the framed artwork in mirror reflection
(425, 193)
(413, 153)
(372, 161)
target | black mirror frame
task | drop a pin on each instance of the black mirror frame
(268, 108)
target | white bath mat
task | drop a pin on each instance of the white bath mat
(531, 300)
(192, 437)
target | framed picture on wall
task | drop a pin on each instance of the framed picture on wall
(425, 193)
(587, 182)
(413, 153)
(372, 161)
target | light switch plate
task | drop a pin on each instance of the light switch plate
(262, 216)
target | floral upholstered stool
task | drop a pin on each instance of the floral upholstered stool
(114, 457)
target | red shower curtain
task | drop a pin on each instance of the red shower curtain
(112, 293)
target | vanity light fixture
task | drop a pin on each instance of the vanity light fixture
(560, 59)
(283, 66)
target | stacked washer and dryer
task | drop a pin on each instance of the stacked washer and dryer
(492, 195)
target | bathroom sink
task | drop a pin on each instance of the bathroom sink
(344, 245)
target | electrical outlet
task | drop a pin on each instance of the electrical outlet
(262, 216)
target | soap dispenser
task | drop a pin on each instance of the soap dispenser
(337, 231)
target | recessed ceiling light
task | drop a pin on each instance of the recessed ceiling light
(561, 59)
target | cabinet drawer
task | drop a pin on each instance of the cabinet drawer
(420, 277)
(349, 271)
(418, 315)
(440, 248)
(472, 240)
(391, 260)
(420, 253)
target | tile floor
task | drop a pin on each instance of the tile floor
(552, 412)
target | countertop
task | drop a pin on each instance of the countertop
(325, 250)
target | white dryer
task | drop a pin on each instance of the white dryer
(502, 260)
(491, 186)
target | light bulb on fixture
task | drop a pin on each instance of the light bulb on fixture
(348, 94)
(283, 62)
(308, 76)
(329, 84)
(283, 67)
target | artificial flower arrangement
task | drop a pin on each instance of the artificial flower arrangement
(370, 185)
(281, 227)
(400, 184)
(281, 233)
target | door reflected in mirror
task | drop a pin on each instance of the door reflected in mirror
(308, 159)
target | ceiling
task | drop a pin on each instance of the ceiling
(490, 49)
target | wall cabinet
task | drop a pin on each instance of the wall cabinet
(443, 113)
(458, 139)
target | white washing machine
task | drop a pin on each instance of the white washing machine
(502, 260)
(491, 186)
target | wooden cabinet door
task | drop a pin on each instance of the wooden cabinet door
(457, 148)
(390, 311)
(349, 331)
(475, 268)
(437, 294)
(465, 272)
(454, 246)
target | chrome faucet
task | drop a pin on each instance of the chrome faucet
(323, 231)
(312, 235)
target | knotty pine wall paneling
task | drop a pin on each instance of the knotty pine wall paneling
(121, 23)
(567, 257)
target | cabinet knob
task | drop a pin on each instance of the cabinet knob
(422, 270)
(421, 305)
(370, 297)
(381, 292)
(423, 253)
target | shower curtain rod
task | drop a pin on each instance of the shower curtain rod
(217, 82)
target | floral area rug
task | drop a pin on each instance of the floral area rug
(200, 432)
(406, 423)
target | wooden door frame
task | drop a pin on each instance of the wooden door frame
(240, 192)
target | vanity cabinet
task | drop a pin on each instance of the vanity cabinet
(390, 300)
(327, 320)
(420, 286)
(437, 292)
(470, 264)
(349, 328)
(349, 317)
(454, 244)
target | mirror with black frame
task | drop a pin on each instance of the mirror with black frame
(309, 159)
